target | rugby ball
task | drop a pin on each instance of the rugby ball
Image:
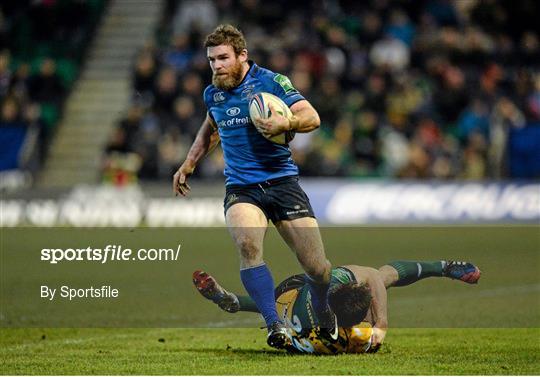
(259, 108)
(360, 337)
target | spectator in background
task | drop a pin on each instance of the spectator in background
(490, 79)
(529, 48)
(524, 142)
(20, 82)
(327, 100)
(443, 12)
(199, 15)
(474, 120)
(11, 116)
(394, 151)
(418, 163)
(505, 117)
(46, 86)
(180, 54)
(165, 92)
(366, 148)
(371, 27)
(145, 74)
(172, 147)
(400, 27)
(12, 134)
(390, 54)
(303, 82)
(126, 134)
(450, 95)
(5, 73)
(192, 86)
(474, 157)
(186, 118)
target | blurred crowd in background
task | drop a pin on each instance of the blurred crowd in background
(411, 89)
(405, 88)
(42, 46)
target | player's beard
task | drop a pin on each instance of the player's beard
(230, 80)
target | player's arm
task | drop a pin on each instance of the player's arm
(304, 119)
(374, 280)
(379, 304)
(207, 139)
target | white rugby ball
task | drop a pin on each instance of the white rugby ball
(258, 108)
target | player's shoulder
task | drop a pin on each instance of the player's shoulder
(267, 75)
(261, 72)
(278, 84)
(212, 95)
(208, 91)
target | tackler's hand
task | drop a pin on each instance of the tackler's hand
(378, 336)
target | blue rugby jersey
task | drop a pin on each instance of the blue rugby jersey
(249, 156)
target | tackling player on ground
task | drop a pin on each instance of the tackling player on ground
(357, 296)
(261, 177)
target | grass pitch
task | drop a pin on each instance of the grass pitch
(243, 352)
(437, 326)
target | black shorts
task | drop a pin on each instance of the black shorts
(279, 199)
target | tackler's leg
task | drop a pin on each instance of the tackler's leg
(228, 301)
(403, 273)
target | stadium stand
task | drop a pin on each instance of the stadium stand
(429, 89)
(409, 89)
(42, 47)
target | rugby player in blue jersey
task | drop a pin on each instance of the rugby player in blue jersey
(261, 177)
(357, 296)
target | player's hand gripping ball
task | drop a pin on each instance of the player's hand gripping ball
(259, 109)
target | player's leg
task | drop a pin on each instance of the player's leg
(209, 287)
(294, 218)
(402, 273)
(247, 224)
(303, 237)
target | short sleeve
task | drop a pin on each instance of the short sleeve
(284, 89)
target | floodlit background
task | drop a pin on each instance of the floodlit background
(430, 109)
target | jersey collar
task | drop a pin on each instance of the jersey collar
(253, 68)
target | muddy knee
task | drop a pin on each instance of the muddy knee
(250, 252)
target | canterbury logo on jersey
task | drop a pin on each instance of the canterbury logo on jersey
(219, 97)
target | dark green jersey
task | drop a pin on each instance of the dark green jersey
(302, 309)
(293, 301)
